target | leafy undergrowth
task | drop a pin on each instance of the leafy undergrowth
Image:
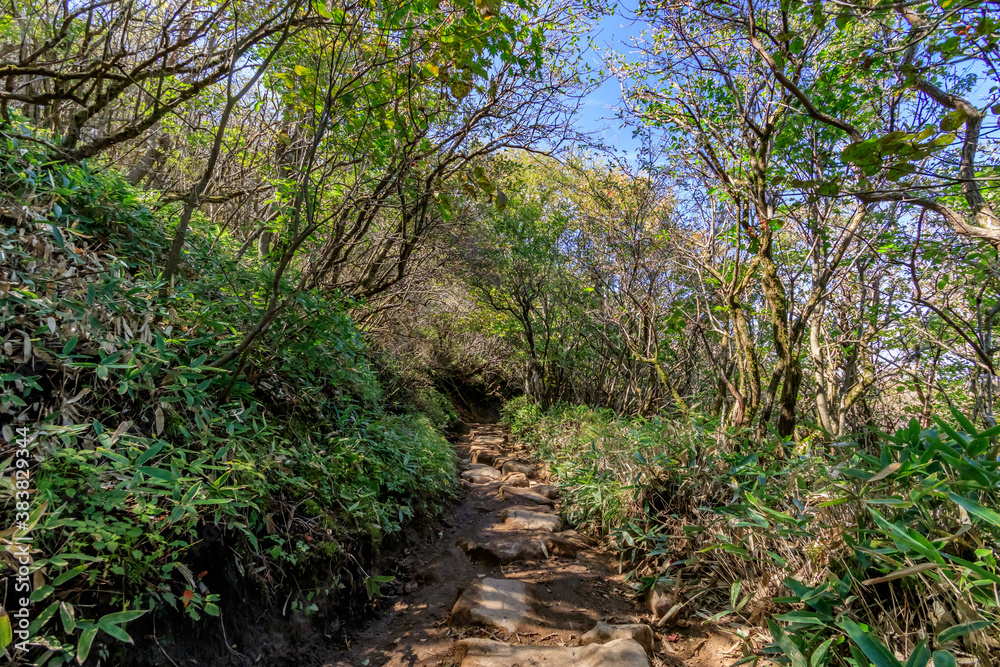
(143, 455)
(878, 551)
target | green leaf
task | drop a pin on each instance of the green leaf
(177, 513)
(872, 647)
(68, 616)
(69, 574)
(956, 631)
(444, 206)
(83, 646)
(920, 656)
(944, 659)
(952, 121)
(460, 89)
(818, 658)
(785, 644)
(804, 617)
(158, 473)
(114, 631)
(149, 453)
(70, 345)
(191, 493)
(909, 540)
(41, 593)
(976, 509)
(861, 152)
(900, 170)
(60, 241)
(117, 458)
(943, 140)
(43, 618)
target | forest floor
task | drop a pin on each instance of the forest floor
(504, 584)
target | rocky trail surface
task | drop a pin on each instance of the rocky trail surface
(506, 583)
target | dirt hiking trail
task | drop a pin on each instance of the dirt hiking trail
(506, 583)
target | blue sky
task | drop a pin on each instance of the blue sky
(598, 114)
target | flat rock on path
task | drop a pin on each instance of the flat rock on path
(520, 495)
(544, 597)
(524, 545)
(487, 653)
(491, 440)
(479, 470)
(515, 517)
(504, 604)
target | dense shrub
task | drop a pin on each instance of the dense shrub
(142, 451)
(833, 546)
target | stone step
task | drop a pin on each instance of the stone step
(513, 465)
(524, 545)
(483, 455)
(524, 495)
(503, 604)
(548, 490)
(530, 519)
(489, 441)
(602, 633)
(517, 479)
(489, 653)
(479, 473)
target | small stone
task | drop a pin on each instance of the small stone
(660, 599)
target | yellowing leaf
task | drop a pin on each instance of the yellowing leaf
(488, 8)
(886, 471)
(6, 631)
